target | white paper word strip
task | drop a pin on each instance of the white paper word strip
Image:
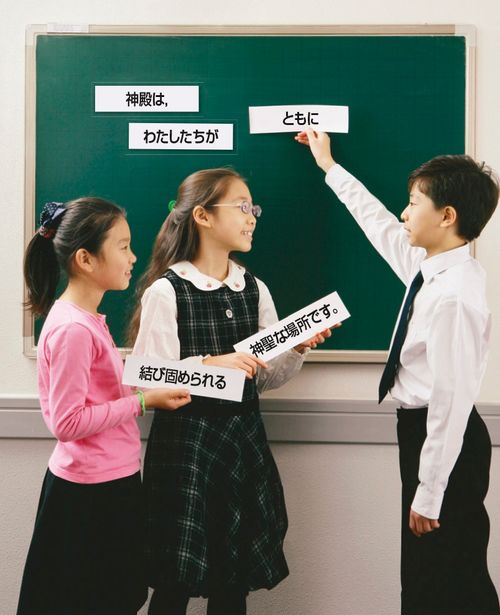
(147, 98)
(199, 379)
(180, 136)
(296, 328)
(292, 118)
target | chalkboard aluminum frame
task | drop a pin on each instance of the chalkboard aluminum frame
(33, 31)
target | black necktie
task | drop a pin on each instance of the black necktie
(392, 365)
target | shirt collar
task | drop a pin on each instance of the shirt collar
(187, 271)
(430, 267)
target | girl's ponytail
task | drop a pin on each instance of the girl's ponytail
(41, 266)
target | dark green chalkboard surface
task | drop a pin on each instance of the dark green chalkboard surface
(406, 98)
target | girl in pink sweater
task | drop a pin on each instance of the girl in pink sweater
(85, 554)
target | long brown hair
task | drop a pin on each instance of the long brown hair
(178, 239)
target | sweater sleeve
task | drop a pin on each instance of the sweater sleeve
(70, 356)
(283, 367)
(157, 336)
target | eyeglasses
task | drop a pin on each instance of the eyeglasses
(244, 206)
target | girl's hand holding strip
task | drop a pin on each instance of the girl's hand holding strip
(166, 399)
(319, 338)
(237, 360)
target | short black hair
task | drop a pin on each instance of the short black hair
(471, 188)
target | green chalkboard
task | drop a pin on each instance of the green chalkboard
(407, 103)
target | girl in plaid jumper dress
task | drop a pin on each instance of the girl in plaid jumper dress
(215, 511)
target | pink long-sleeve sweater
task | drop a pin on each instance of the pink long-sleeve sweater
(83, 402)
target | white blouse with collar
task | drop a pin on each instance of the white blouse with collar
(158, 335)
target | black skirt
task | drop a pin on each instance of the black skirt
(215, 511)
(445, 571)
(85, 556)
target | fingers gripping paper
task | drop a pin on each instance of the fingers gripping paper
(296, 328)
(199, 379)
(291, 118)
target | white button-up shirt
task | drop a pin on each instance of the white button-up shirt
(444, 354)
(158, 336)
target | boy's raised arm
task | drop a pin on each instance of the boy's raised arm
(381, 227)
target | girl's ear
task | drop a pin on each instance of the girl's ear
(201, 217)
(83, 260)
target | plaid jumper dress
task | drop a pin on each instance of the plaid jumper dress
(215, 512)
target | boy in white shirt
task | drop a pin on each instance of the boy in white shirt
(435, 367)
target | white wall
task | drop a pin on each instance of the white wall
(343, 499)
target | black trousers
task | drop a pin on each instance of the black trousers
(445, 572)
(85, 556)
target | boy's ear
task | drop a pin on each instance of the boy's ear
(200, 216)
(84, 260)
(449, 215)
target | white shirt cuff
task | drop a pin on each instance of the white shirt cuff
(426, 503)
